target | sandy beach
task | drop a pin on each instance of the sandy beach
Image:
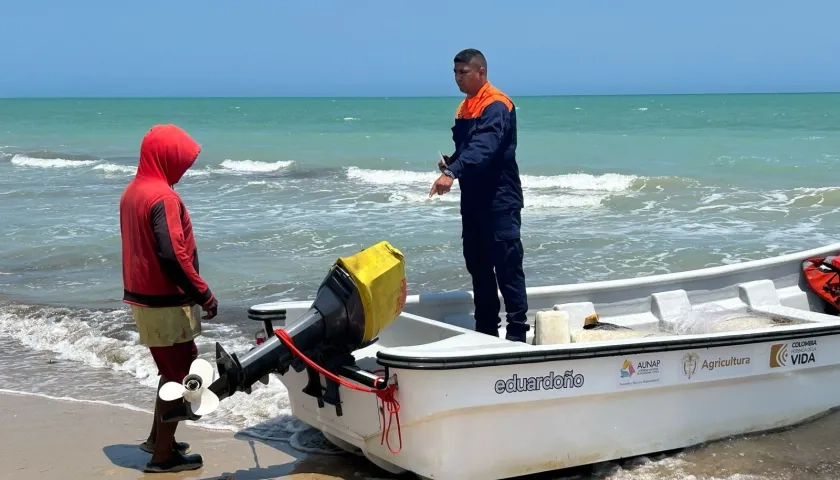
(47, 439)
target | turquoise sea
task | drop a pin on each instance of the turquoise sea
(615, 186)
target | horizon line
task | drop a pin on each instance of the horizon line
(320, 97)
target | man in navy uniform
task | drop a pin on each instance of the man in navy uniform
(484, 163)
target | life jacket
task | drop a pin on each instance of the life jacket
(823, 276)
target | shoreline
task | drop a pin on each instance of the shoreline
(58, 438)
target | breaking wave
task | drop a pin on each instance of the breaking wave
(103, 339)
(254, 166)
(109, 168)
(27, 161)
(571, 192)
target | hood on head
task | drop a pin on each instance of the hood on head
(167, 152)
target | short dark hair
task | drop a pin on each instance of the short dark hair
(470, 54)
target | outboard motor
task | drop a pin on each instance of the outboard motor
(360, 297)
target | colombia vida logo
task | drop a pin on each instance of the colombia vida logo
(800, 352)
(778, 355)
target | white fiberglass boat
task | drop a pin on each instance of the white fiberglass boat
(674, 360)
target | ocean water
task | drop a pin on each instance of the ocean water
(615, 187)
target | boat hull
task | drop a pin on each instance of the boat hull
(466, 429)
(478, 407)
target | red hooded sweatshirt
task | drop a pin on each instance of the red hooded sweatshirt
(159, 255)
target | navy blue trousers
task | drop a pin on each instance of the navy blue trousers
(493, 253)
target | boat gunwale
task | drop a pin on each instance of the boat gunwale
(625, 283)
(586, 352)
(456, 297)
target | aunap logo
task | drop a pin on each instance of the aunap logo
(778, 355)
(627, 369)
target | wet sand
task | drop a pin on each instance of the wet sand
(55, 439)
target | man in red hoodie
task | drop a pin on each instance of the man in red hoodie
(160, 277)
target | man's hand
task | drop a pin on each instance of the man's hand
(444, 162)
(210, 309)
(442, 185)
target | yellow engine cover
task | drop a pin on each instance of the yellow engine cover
(379, 274)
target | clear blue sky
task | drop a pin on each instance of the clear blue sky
(405, 48)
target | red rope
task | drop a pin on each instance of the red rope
(386, 395)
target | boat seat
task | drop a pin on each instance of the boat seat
(758, 292)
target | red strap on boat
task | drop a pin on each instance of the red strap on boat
(386, 395)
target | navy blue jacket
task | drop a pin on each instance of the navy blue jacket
(484, 161)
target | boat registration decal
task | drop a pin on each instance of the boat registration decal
(516, 384)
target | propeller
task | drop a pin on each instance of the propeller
(193, 389)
